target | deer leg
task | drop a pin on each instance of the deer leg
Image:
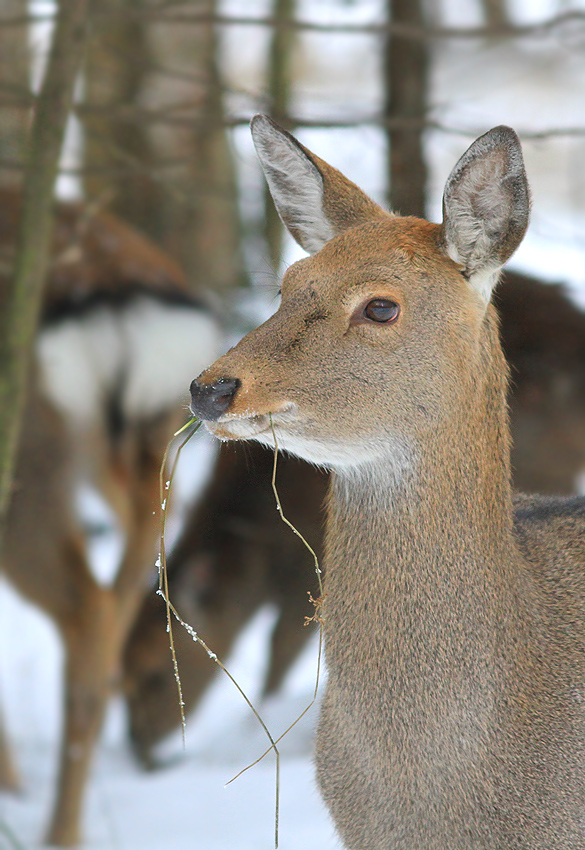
(9, 780)
(290, 634)
(92, 644)
(144, 525)
(50, 568)
(94, 635)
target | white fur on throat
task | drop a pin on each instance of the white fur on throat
(390, 459)
(147, 351)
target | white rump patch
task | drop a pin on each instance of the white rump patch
(147, 352)
(79, 360)
(169, 346)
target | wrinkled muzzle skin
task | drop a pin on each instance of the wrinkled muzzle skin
(316, 350)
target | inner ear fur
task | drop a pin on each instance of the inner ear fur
(314, 200)
(486, 207)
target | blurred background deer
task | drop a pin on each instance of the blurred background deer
(116, 317)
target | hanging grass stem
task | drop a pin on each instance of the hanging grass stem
(163, 591)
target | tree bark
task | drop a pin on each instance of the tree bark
(15, 95)
(201, 227)
(21, 299)
(406, 72)
(279, 90)
(175, 180)
(496, 14)
(117, 149)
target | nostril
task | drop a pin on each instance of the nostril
(210, 401)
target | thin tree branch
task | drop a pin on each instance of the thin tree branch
(167, 116)
(375, 28)
(22, 298)
(407, 31)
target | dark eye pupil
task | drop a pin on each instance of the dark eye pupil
(381, 310)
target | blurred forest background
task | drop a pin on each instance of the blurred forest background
(158, 129)
(389, 91)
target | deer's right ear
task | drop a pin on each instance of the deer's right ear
(314, 200)
(486, 206)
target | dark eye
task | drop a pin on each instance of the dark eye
(382, 310)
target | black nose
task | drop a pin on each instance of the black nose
(209, 401)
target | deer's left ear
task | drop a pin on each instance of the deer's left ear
(486, 207)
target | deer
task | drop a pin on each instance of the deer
(231, 556)
(543, 337)
(453, 713)
(118, 327)
(229, 560)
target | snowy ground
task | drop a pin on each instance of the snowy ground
(184, 805)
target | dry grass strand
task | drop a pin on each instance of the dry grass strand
(163, 591)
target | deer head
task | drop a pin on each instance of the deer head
(385, 331)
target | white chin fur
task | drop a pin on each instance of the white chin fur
(147, 351)
(345, 460)
(338, 457)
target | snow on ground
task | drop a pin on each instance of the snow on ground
(185, 804)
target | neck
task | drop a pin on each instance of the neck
(418, 552)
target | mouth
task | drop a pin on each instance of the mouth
(251, 426)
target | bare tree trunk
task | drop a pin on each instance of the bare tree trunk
(496, 14)
(406, 70)
(15, 94)
(201, 216)
(22, 298)
(174, 180)
(117, 152)
(279, 89)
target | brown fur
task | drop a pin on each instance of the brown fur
(453, 714)
(543, 337)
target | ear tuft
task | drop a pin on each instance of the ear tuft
(486, 207)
